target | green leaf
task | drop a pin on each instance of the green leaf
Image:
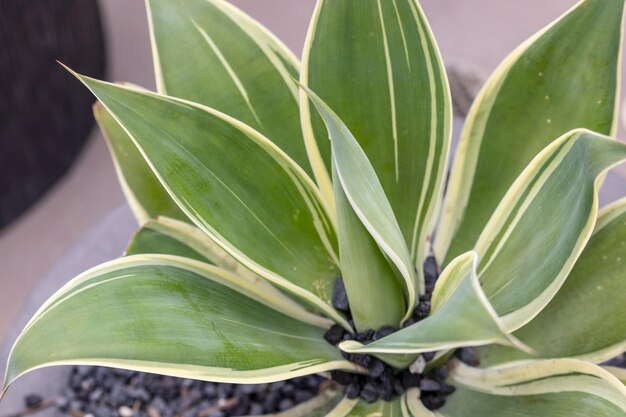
(209, 52)
(563, 78)
(460, 316)
(375, 297)
(171, 237)
(362, 196)
(360, 408)
(543, 223)
(376, 64)
(236, 186)
(591, 301)
(162, 236)
(319, 406)
(556, 388)
(173, 316)
(145, 195)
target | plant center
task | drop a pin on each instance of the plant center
(383, 381)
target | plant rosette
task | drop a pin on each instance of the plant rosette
(268, 252)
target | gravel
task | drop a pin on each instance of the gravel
(108, 392)
(383, 381)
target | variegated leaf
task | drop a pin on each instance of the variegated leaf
(552, 388)
(542, 225)
(376, 64)
(319, 406)
(171, 237)
(173, 316)
(264, 211)
(563, 78)
(210, 52)
(585, 318)
(360, 408)
(619, 373)
(363, 210)
(144, 193)
(461, 316)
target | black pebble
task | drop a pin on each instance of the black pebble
(468, 356)
(334, 335)
(340, 298)
(376, 368)
(383, 332)
(422, 310)
(429, 385)
(433, 402)
(369, 393)
(101, 391)
(353, 390)
(285, 404)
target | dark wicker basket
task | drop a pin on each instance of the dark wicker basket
(45, 114)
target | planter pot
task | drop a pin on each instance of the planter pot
(104, 241)
(45, 115)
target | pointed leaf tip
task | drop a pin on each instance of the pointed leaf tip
(359, 183)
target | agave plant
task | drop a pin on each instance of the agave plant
(249, 215)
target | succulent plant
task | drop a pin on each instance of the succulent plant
(267, 251)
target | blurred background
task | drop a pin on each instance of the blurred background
(56, 177)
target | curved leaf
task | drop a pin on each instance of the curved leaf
(360, 408)
(543, 223)
(555, 388)
(585, 318)
(375, 297)
(158, 237)
(236, 186)
(210, 52)
(357, 185)
(563, 78)
(144, 193)
(619, 373)
(319, 406)
(173, 316)
(413, 407)
(171, 237)
(461, 316)
(376, 64)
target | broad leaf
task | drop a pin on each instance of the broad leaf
(563, 78)
(376, 64)
(361, 194)
(543, 223)
(173, 316)
(585, 318)
(144, 193)
(171, 237)
(236, 186)
(209, 52)
(461, 316)
(559, 388)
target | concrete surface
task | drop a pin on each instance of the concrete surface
(475, 33)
